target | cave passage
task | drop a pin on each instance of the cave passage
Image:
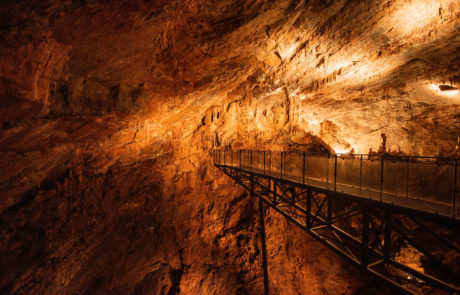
(110, 112)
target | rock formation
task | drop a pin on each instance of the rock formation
(110, 111)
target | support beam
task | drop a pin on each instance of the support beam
(363, 248)
(308, 222)
(387, 239)
(264, 246)
(365, 238)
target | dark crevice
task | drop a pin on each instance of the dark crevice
(176, 277)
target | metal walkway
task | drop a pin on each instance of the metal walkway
(369, 209)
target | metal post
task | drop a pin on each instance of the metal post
(270, 161)
(381, 179)
(264, 246)
(361, 173)
(329, 208)
(252, 169)
(327, 168)
(365, 238)
(335, 173)
(240, 159)
(454, 191)
(274, 192)
(303, 169)
(387, 238)
(264, 162)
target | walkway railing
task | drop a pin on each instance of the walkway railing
(428, 184)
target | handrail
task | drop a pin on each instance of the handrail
(348, 155)
(384, 178)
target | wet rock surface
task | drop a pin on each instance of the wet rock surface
(109, 112)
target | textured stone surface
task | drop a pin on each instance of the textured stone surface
(109, 111)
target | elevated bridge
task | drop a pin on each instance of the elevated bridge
(366, 208)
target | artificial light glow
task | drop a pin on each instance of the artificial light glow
(340, 150)
(447, 88)
(415, 15)
(444, 90)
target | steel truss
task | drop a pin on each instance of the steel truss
(367, 233)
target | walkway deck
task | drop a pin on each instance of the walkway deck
(408, 192)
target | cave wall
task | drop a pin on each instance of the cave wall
(110, 112)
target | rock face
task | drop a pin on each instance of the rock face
(110, 111)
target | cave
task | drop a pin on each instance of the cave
(146, 146)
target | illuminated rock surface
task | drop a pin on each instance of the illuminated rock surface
(110, 110)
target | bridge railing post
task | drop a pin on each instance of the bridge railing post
(335, 173)
(264, 162)
(270, 160)
(240, 158)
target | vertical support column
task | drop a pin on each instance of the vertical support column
(330, 199)
(387, 238)
(365, 238)
(381, 178)
(252, 169)
(274, 193)
(269, 186)
(309, 196)
(454, 190)
(303, 169)
(264, 245)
